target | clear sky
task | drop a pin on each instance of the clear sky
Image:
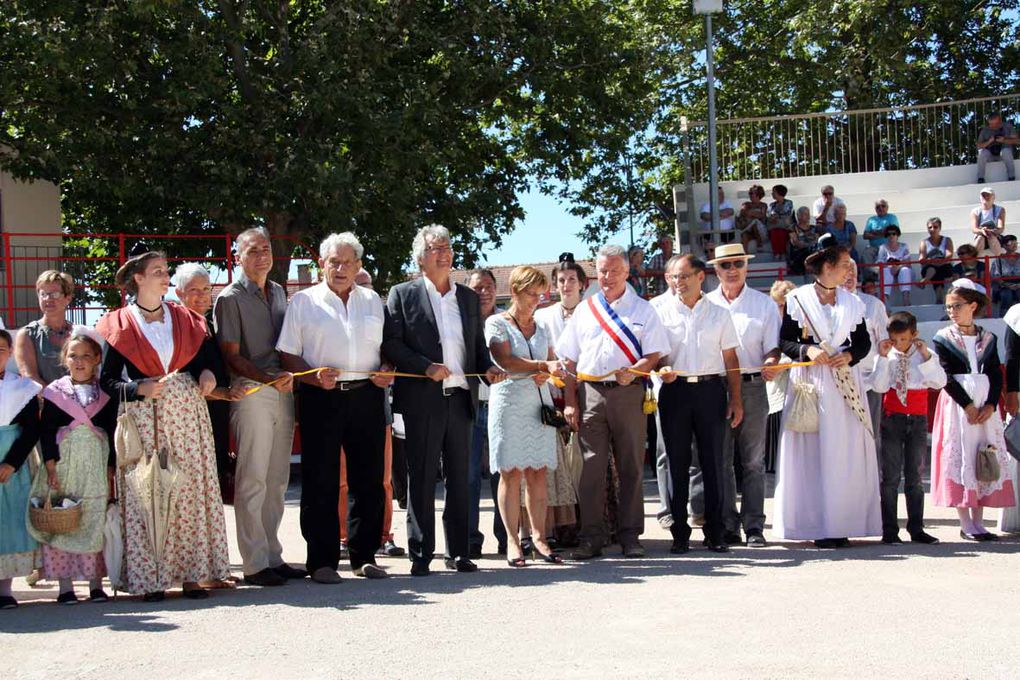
(547, 230)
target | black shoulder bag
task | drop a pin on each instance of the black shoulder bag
(549, 415)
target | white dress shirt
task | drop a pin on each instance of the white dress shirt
(697, 336)
(921, 375)
(725, 223)
(876, 318)
(451, 332)
(324, 331)
(756, 317)
(160, 334)
(585, 342)
(830, 214)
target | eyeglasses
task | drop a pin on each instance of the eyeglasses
(733, 264)
(51, 295)
(680, 277)
(952, 307)
(826, 193)
(439, 249)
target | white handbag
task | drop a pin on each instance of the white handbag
(803, 409)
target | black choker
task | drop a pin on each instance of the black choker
(146, 309)
(823, 286)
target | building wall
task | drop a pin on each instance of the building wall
(30, 212)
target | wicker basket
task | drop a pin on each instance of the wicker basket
(51, 520)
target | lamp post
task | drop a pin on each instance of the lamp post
(708, 7)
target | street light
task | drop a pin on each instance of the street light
(708, 7)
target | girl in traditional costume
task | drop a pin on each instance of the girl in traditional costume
(158, 344)
(76, 439)
(19, 432)
(967, 416)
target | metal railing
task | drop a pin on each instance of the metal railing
(898, 138)
(93, 258)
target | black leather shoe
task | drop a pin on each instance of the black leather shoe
(987, 536)
(923, 537)
(755, 539)
(716, 547)
(464, 566)
(420, 569)
(891, 539)
(475, 552)
(98, 595)
(157, 596)
(266, 577)
(196, 593)
(969, 537)
(67, 598)
(842, 542)
(288, 572)
(8, 602)
(679, 547)
(827, 543)
(732, 538)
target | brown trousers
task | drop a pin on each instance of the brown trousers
(612, 422)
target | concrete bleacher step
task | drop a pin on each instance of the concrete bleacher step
(923, 313)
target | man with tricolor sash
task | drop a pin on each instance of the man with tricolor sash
(612, 338)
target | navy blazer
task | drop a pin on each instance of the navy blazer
(411, 342)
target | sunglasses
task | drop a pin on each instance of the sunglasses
(733, 264)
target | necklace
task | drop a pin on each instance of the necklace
(59, 332)
(146, 309)
(823, 286)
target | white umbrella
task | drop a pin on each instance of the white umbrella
(113, 544)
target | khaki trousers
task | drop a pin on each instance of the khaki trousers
(263, 427)
(612, 422)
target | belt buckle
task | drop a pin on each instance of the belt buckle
(448, 391)
(344, 385)
(691, 378)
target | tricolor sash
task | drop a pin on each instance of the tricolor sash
(608, 319)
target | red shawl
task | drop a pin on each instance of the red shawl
(120, 329)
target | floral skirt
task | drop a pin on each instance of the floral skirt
(192, 545)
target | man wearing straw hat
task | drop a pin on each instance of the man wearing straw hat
(756, 319)
(701, 361)
(248, 315)
(337, 328)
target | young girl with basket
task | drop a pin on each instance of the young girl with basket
(19, 431)
(76, 440)
(968, 451)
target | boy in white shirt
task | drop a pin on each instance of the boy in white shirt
(904, 371)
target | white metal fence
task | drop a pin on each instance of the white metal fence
(902, 138)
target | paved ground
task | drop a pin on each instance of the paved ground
(785, 611)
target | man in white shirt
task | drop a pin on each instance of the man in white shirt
(337, 326)
(875, 318)
(434, 328)
(756, 319)
(727, 219)
(701, 360)
(824, 208)
(610, 335)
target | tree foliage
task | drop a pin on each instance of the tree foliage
(309, 116)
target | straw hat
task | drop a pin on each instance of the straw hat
(730, 251)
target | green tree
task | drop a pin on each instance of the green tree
(205, 116)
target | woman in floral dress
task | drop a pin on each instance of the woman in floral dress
(158, 344)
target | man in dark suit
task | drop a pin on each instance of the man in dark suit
(434, 327)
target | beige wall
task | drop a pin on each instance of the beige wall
(27, 208)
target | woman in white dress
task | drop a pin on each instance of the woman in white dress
(827, 488)
(570, 281)
(521, 446)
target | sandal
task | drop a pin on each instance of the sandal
(517, 562)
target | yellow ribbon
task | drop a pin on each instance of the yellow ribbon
(587, 377)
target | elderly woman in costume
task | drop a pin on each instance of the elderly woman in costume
(159, 344)
(19, 432)
(194, 289)
(827, 488)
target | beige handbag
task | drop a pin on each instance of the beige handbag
(803, 408)
(987, 469)
(127, 441)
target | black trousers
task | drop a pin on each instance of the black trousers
(438, 432)
(904, 446)
(694, 412)
(398, 472)
(355, 421)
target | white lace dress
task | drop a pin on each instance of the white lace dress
(517, 437)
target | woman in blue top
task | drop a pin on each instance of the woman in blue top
(520, 445)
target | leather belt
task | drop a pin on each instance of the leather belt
(348, 385)
(451, 391)
(748, 377)
(698, 378)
